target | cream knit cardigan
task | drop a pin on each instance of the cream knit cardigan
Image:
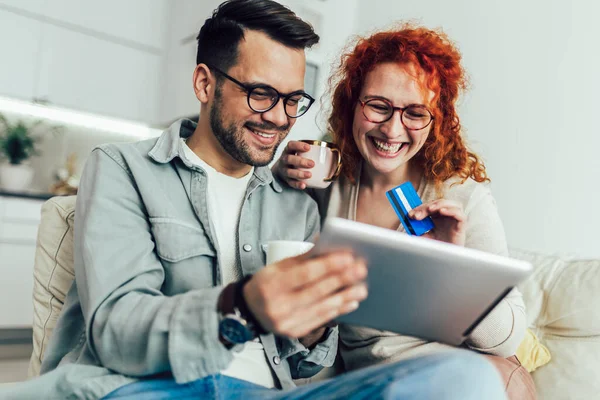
(500, 333)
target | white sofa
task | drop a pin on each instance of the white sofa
(562, 297)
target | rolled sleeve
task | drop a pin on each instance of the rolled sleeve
(500, 332)
(193, 348)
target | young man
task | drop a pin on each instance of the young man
(170, 284)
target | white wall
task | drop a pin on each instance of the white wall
(332, 19)
(187, 17)
(532, 111)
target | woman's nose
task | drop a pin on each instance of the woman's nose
(394, 128)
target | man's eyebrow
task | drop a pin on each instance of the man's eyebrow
(255, 84)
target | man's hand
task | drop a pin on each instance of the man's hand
(299, 295)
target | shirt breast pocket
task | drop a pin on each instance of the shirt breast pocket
(186, 253)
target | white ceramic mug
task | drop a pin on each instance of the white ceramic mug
(278, 250)
(328, 163)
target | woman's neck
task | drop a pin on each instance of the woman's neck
(378, 182)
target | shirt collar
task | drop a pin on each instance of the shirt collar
(168, 147)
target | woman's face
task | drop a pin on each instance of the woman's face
(388, 146)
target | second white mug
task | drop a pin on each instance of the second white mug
(278, 250)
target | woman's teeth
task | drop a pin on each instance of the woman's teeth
(387, 147)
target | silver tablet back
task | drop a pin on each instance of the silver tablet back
(421, 287)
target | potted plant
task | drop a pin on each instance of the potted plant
(17, 145)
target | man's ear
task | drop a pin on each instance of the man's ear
(203, 83)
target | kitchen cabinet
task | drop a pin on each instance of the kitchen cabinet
(28, 6)
(19, 41)
(90, 74)
(19, 220)
(141, 22)
(100, 57)
(16, 285)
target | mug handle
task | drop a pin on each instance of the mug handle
(339, 166)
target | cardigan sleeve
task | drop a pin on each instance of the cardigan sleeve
(501, 332)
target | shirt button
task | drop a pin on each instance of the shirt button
(247, 248)
(276, 360)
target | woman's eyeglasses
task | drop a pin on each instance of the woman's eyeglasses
(413, 117)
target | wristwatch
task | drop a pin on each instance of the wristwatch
(237, 325)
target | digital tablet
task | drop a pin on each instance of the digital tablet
(422, 287)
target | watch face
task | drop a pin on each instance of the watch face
(234, 331)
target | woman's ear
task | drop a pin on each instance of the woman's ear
(203, 83)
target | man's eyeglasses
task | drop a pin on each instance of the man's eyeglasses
(262, 98)
(413, 117)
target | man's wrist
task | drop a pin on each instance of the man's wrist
(225, 306)
(232, 304)
(242, 305)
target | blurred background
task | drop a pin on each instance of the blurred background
(531, 112)
(119, 70)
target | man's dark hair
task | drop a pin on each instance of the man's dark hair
(221, 33)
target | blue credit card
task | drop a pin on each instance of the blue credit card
(404, 198)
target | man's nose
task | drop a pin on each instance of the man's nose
(277, 115)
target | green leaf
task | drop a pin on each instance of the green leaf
(17, 141)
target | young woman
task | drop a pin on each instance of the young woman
(394, 119)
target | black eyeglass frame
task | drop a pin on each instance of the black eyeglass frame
(394, 109)
(250, 88)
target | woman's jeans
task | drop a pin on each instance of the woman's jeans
(453, 375)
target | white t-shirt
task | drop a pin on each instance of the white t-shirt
(225, 195)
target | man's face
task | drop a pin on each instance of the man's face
(250, 137)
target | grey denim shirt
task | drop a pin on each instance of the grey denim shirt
(147, 275)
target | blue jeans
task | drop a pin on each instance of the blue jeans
(454, 375)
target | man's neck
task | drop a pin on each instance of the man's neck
(206, 146)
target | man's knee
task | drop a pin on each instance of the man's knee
(470, 375)
(451, 375)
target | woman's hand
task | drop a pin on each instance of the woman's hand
(287, 167)
(448, 217)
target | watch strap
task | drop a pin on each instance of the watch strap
(242, 306)
(232, 301)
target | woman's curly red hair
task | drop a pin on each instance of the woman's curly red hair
(437, 61)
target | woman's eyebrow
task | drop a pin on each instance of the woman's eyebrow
(372, 97)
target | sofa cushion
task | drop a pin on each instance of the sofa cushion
(562, 299)
(53, 272)
(531, 353)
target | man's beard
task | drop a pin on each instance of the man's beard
(232, 139)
